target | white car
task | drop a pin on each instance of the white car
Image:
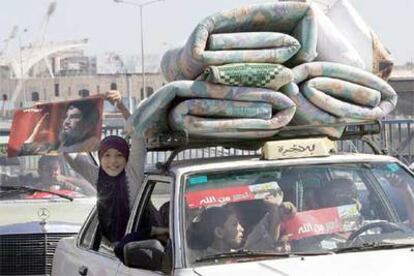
(34, 218)
(367, 232)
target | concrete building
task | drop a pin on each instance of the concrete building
(402, 81)
(70, 74)
(71, 87)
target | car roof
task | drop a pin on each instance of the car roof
(222, 163)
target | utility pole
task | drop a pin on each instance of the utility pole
(141, 6)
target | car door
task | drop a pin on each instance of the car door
(156, 197)
(90, 256)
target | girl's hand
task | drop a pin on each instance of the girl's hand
(114, 97)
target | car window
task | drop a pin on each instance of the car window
(33, 177)
(92, 238)
(392, 177)
(152, 220)
(88, 235)
(314, 207)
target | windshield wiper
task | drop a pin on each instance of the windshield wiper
(373, 246)
(32, 189)
(258, 254)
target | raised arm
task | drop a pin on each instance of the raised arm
(136, 165)
(82, 163)
(137, 157)
(30, 146)
(114, 97)
(266, 234)
(279, 212)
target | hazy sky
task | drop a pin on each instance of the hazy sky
(115, 27)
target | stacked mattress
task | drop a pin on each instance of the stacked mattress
(248, 72)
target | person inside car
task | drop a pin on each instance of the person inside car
(339, 191)
(343, 191)
(217, 229)
(51, 177)
(407, 194)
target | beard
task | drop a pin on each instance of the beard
(69, 139)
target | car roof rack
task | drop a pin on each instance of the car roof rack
(179, 141)
(170, 141)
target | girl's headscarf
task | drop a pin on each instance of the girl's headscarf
(112, 192)
(114, 142)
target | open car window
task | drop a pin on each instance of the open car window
(152, 218)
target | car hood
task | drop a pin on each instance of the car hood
(37, 227)
(379, 262)
(15, 212)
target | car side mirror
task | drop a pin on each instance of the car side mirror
(146, 254)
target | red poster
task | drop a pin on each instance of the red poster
(214, 197)
(322, 221)
(71, 126)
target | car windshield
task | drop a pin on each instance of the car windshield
(41, 177)
(297, 209)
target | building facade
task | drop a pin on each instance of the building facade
(61, 88)
(405, 89)
(70, 75)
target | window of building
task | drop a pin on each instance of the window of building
(113, 86)
(142, 94)
(56, 89)
(150, 91)
(4, 97)
(98, 89)
(84, 92)
(35, 96)
(69, 91)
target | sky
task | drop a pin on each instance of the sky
(115, 27)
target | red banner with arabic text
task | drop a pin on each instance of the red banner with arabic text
(321, 222)
(214, 197)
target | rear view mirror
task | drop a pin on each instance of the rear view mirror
(147, 254)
